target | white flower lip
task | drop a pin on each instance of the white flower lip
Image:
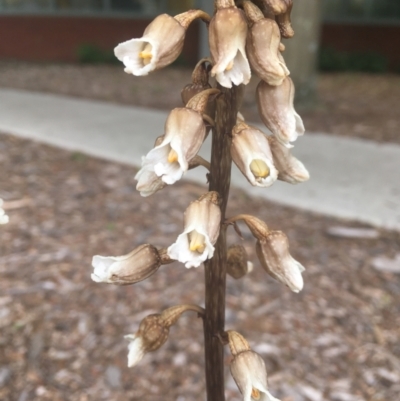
(135, 350)
(148, 181)
(129, 53)
(248, 371)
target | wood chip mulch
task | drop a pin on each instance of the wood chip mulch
(61, 335)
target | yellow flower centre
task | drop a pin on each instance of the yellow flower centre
(146, 54)
(259, 168)
(255, 394)
(229, 66)
(172, 156)
(197, 242)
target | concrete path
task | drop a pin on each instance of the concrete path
(350, 178)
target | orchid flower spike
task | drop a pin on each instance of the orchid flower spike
(248, 370)
(276, 109)
(227, 37)
(251, 153)
(160, 45)
(289, 168)
(136, 266)
(185, 131)
(201, 230)
(263, 44)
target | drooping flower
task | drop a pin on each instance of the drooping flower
(201, 229)
(160, 45)
(136, 266)
(272, 249)
(4, 219)
(154, 330)
(289, 168)
(251, 153)
(152, 334)
(185, 131)
(263, 44)
(248, 370)
(227, 37)
(273, 254)
(275, 105)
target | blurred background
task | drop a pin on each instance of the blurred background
(61, 335)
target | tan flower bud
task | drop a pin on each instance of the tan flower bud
(238, 264)
(199, 83)
(227, 37)
(262, 46)
(289, 168)
(274, 256)
(278, 7)
(201, 230)
(284, 22)
(251, 153)
(136, 266)
(275, 105)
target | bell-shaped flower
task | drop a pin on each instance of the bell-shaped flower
(202, 221)
(160, 45)
(152, 334)
(136, 266)
(4, 219)
(273, 253)
(184, 134)
(289, 168)
(251, 153)
(249, 372)
(275, 105)
(227, 38)
(263, 43)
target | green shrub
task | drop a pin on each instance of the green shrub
(93, 54)
(333, 60)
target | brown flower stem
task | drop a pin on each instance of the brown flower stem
(215, 268)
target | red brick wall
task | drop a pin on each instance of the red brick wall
(58, 38)
(379, 39)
